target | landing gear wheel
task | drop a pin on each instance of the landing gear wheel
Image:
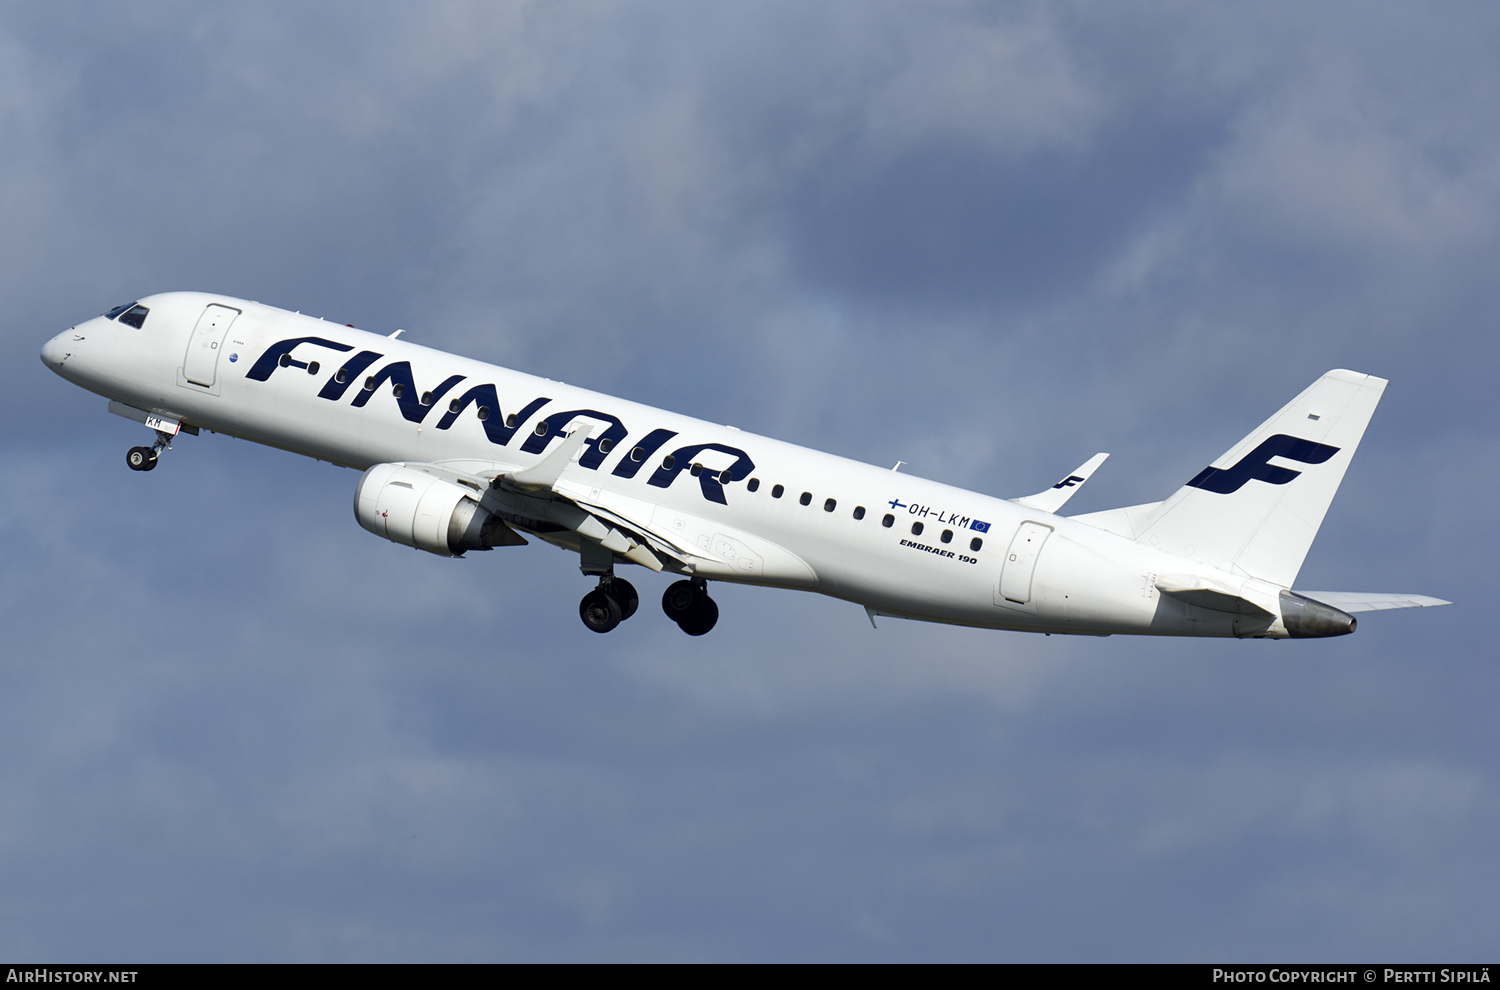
(681, 600)
(141, 458)
(599, 611)
(687, 604)
(623, 592)
(702, 620)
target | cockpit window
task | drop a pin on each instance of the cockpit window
(117, 311)
(135, 316)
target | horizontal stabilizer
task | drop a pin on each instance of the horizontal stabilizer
(1360, 601)
(1056, 497)
(1220, 596)
(1219, 602)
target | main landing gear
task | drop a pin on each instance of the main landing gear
(608, 605)
(615, 600)
(687, 604)
(144, 458)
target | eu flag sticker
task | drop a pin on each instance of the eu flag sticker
(979, 527)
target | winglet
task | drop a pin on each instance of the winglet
(545, 472)
(1056, 497)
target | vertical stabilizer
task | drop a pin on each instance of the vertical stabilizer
(1256, 509)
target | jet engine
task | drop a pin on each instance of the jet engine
(417, 509)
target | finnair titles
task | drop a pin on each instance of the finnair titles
(460, 456)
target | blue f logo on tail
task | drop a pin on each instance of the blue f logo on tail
(1255, 465)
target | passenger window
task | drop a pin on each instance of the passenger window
(135, 317)
(398, 390)
(117, 311)
(947, 536)
(754, 485)
(696, 469)
(975, 544)
(888, 521)
(370, 384)
(483, 412)
(452, 406)
(510, 421)
(830, 505)
(541, 428)
(426, 396)
(342, 375)
(606, 445)
(916, 529)
(668, 462)
(806, 498)
(859, 512)
(312, 369)
(778, 491)
(725, 477)
(637, 455)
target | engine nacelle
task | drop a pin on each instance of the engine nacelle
(417, 509)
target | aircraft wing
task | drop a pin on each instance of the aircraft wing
(563, 508)
(687, 543)
(1361, 601)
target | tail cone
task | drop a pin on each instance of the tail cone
(1307, 619)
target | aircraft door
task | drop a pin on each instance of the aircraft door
(1020, 564)
(201, 364)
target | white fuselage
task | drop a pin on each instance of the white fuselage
(1077, 578)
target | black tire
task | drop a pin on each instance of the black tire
(682, 599)
(702, 620)
(600, 612)
(140, 459)
(624, 592)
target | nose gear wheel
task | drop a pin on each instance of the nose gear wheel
(144, 458)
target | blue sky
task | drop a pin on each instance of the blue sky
(986, 239)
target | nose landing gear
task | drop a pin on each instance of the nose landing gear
(144, 458)
(608, 605)
(687, 604)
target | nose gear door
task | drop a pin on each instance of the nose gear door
(201, 364)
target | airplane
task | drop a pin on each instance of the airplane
(458, 455)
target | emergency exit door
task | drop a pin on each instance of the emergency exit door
(201, 365)
(1020, 564)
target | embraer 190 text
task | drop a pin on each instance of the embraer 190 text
(459, 455)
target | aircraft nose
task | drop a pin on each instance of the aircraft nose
(52, 352)
(57, 350)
